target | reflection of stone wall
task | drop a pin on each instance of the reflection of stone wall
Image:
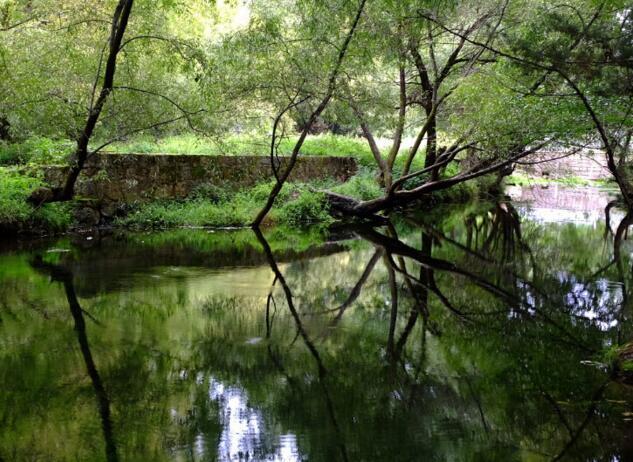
(113, 261)
(561, 198)
(590, 165)
(135, 177)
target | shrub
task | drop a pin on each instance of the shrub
(296, 205)
(14, 190)
(17, 213)
(213, 193)
(308, 207)
(362, 186)
(37, 150)
(332, 145)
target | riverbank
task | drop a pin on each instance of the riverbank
(223, 201)
(299, 204)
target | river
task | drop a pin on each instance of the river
(477, 332)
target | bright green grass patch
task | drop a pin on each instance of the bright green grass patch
(258, 145)
(362, 186)
(45, 151)
(17, 213)
(14, 190)
(297, 205)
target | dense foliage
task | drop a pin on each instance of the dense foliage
(441, 92)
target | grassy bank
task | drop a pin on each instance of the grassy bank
(45, 151)
(297, 205)
(212, 206)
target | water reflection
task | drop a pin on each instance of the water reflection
(472, 334)
(60, 274)
(244, 434)
(554, 203)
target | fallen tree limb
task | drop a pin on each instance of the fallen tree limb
(348, 206)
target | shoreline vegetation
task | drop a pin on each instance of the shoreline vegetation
(299, 204)
(440, 106)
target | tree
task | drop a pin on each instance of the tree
(77, 61)
(583, 60)
(295, 89)
(429, 63)
(119, 25)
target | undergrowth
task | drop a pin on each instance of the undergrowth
(45, 151)
(16, 214)
(36, 150)
(297, 205)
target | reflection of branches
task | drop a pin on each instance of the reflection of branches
(400, 248)
(607, 218)
(355, 292)
(559, 411)
(477, 400)
(64, 276)
(619, 236)
(304, 335)
(291, 306)
(429, 285)
(499, 229)
(393, 290)
(270, 300)
(505, 229)
(421, 296)
(591, 411)
(397, 247)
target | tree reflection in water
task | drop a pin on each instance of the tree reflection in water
(473, 336)
(494, 246)
(61, 274)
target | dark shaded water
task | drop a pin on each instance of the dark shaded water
(466, 334)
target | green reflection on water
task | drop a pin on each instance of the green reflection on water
(466, 335)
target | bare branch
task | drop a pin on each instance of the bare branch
(315, 114)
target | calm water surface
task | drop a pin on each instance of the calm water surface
(480, 332)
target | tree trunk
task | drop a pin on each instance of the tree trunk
(399, 198)
(119, 25)
(281, 179)
(5, 126)
(431, 144)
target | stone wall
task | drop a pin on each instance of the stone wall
(126, 178)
